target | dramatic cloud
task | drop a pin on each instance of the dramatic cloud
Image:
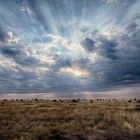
(69, 47)
(88, 44)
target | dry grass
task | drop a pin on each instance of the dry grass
(67, 120)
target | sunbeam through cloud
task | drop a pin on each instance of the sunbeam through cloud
(66, 47)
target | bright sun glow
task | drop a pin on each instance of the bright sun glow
(75, 71)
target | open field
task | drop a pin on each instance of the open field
(69, 120)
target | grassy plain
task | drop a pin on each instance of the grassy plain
(69, 120)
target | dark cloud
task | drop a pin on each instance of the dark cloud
(88, 44)
(131, 26)
(10, 50)
(123, 65)
(60, 63)
(18, 54)
(3, 35)
(107, 48)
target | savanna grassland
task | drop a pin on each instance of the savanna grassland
(69, 120)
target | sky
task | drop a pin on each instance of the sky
(69, 48)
